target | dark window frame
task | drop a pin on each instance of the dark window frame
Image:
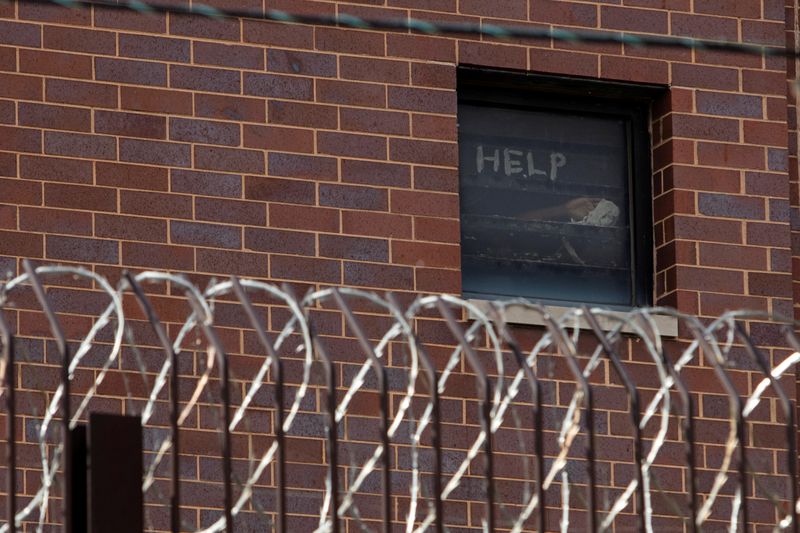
(632, 102)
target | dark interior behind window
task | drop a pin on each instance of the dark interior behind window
(555, 193)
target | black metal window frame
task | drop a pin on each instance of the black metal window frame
(631, 102)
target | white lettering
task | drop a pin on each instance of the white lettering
(557, 160)
(494, 159)
(511, 166)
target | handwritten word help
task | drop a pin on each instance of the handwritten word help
(516, 162)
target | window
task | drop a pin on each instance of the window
(555, 189)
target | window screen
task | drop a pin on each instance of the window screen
(547, 202)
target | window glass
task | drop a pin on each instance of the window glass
(545, 204)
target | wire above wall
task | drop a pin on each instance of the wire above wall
(435, 28)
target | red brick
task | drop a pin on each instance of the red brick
(351, 145)
(279, 242)
(152, 47)
(230, 211)
(122, 19)
(210, 235)
(437, 280)
(131, 228)
(278, 86)
(731, 155)
(81, 93)
(131, 176)
(22, 87)
(447, 6)
(703, 179)
(373, 121)
(421, 47)
(426, 254)
(8, 164)
(436, 179)
(376, 224)
(132, 72)
(769, 284)
(296, 62)
(699, 127)
(564, 13)
(638, 70)
(305, 269)
(80, 145)
(206, 28)
(79, 40)
(733, 256)
(707, 229)
(155, 204)
(763, 32)
(353, 197)
(155, 152)
(765, 184)
(20, 33)
(280, 190)
(156, 100)
(20, 139)
(8, 58)
(230, 107)
(559, 62)
(354, 248)
(303, 218)
(21, 244)
(349, 41)
(763, 82)
(278, 139)
(631, 19)
(235, 263)
(436, 229)
(79, 249)
(231, 56)
(434, 75)
(55, 221)
(305, 115)
(706, 77)
(434, 127)
(90, 198)
(130, 124)
(424, 100)
(55, 64)
(8, 217)
(473, 53)
(424, 203)
(376, 173)
(766, 234)
(55, 169)
(212, 80)
(376, 275)
(204, 131)
(15, 191)
(423, 152)
(728, 9)
(206, 183)
(54, 13)
(229, 159)
(54, 117)
(303, 166)
(711, 280)
(729, 105)
(180, 258)
(373, 69)
(351, 93)
(277, 34)
(765, 133)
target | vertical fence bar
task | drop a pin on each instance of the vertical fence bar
(633, 406)
(538, 439)
(11, 412)
(333, 457)
(277, 367)
(205, 324)
(169, 351)
(687, 423)
(436, 429)
(568, 350)
(383, 406)
(788, 412)
(484, 402)
(66, 411)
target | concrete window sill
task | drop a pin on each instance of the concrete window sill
(667, 325)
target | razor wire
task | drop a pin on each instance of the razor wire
(426, 27)
(478, 347)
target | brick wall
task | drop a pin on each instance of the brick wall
(321, 156)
